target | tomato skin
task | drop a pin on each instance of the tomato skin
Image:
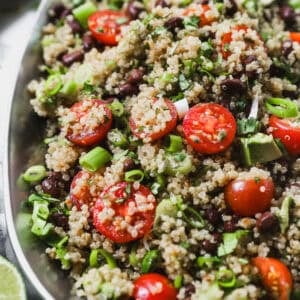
(90, 138)
(286, 133)
(80, 196)
(295, 36)
(275, 275)
(170, 125)
(247, 197)
(205, 122)
(203, 20)
(145, 284)
(117, 192)
(227, 38)
(104, 26)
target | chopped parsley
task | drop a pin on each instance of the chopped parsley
(248, 126)
(191, 22)
(183, 83)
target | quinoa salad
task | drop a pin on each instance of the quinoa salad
(172, 148)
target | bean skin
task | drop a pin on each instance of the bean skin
(233, 86)
(133, 10)
(75, 26)
(69, 58)
(135, 76)
(287, 47)
(128, 89)
(161, 3)
(267, 222)
(287, 14)
(173, 23)
(88, 42)
(128, 164)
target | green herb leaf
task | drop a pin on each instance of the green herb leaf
(284, 213)
(191, 22)
(248, 126)
(183, 83)
(230, 241)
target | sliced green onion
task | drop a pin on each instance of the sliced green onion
(117, 138)
(178, 281)
(93, 258)
(159, 184)
(40, 210)
(40, 227)
(282, 108)
(53, 85)
(61, 252)
(175, 143)
(207, 261)
(166, 207)
(69, 88)
(134, 175)
(117, 108)
(192, 217)
(35, 174)
(82, 12)
(95, 159)
(149, 260)
(284, 213)
(133, 260)
(226, 278)
(178, 163)
(42, 197)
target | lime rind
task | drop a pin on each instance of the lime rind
(11, 283)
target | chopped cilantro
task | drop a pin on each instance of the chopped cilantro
(183, 83)
(248, 126)
(88, 88)
(191, 22)
(230, 241)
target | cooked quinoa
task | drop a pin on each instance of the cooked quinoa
(155, 130)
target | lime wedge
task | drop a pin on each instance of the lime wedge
(11, 283)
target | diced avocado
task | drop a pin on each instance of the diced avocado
(284, 213)
(108, 290)
(260, 148)
(167, 208)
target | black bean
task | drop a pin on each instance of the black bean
(229, 226)
(209, 246)
(287, 14)
(69, 58)
(133, 10)
(128, 89)
(217, 237)
(189, 290)
(290, 94)
(128, 164)
(231, 8)
(60, 220)
(88, 42)
(56, 10)
(287, 47)
(135, 76)
(267, 222)
(75, 26)
(173, 23)
(213, 216)
(161, 3)
(65, 13)
(52, 184)
(204, 1)
(276, 71)
(233, 86)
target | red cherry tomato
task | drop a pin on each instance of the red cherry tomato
(87, 136)
(153, 286)
(287, 133)
(124, 213)
(246, 197)
(227, 38)
(80, 189)
(275, 275)
(105, 25)
(203, 19)
(295, 36)
(155, 135)
(209, 128)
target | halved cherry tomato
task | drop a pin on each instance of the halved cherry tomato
(209, 128)
(203, 19)
(88, 137)
(246, 197)
(80, 189)
(153, 286)
(275, 275)
(105, 25)
(295, 36)
(227, 38)
(155, 135)
(287, 132)
(124, 213)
